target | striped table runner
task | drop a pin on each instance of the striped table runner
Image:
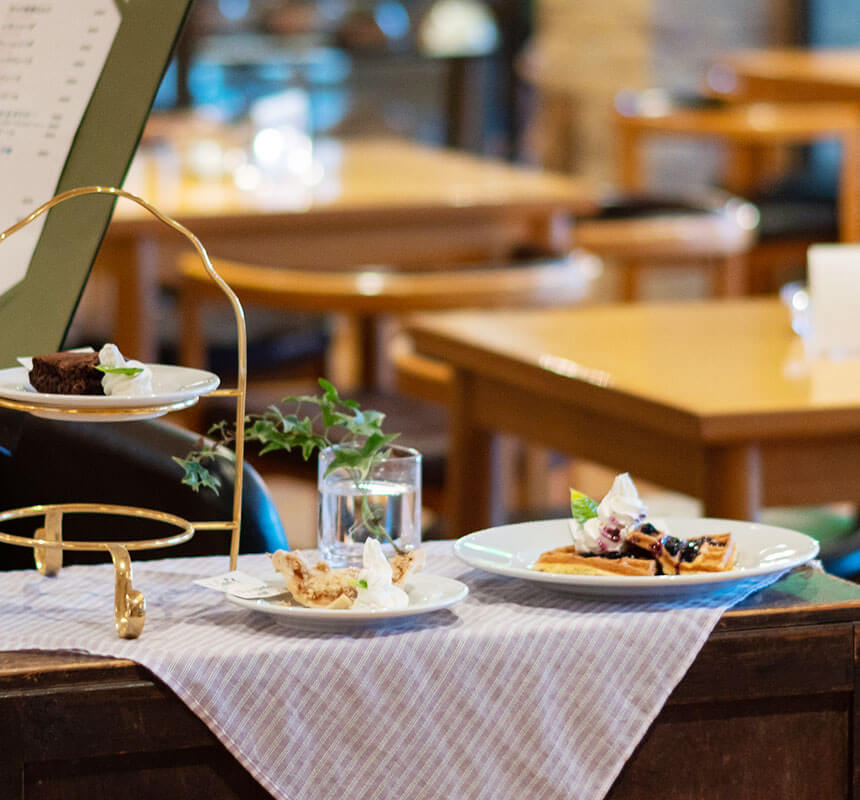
(517, 692)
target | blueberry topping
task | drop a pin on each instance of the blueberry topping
(649, 529)
(672, 545)
(691, 549)
(613, 534)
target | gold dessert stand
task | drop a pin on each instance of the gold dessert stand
(47, 542)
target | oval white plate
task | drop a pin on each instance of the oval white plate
(426, 593)
(512, 549)
(170, 385)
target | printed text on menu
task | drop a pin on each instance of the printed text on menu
(51, 55)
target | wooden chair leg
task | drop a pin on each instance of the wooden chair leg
(729, 278)
(192, 346)
(628, 280)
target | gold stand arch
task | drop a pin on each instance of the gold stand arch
(48, 543)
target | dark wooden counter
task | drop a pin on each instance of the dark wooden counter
(766, 710)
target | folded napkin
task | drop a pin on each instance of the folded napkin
(517, 692)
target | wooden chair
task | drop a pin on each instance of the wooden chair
(637, 232)
(366, 296)
(755, 137)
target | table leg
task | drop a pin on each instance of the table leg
(733, 482)
(630, 171)
(730, 278)
(849, 188)
(133, 265)
(469, 474)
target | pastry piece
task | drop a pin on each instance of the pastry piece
(66, 373)
(714, 553)
(319, 586)
(566, 561)
(404, 565)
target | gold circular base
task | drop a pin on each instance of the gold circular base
(48, 546)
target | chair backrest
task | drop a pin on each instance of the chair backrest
(649, 227)
(377, 291)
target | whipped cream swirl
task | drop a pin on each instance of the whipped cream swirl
(376, 591)
(620, 512)
(114, 384)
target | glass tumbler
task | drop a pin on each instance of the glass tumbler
(383, 502)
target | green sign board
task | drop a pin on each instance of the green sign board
(126, 45)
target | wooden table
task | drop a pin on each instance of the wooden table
(712, 399)
(386, 202)
(792, 74)
(750, 131)
(766, 710)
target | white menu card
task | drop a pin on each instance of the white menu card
(51, 56)
(834, 299)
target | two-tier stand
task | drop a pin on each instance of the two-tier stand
(47, 542)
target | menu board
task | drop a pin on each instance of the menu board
(77, 81)
(46, 82)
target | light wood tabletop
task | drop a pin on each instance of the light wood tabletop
(384, 201)
(713, 399)
(791, 74)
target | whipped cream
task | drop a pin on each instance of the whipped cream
(620, 512)
(380, 593)
(124, 385)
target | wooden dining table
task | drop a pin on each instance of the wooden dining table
(714, 399)
(387, 202)
(787, 74)
(767, 709)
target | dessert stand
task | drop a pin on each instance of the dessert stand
(47, 542)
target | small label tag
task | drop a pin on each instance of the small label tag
(240, 584)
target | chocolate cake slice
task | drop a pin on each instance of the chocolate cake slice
(66, 373)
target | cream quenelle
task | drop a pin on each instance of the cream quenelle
(618, 513)
(118, 384)
(376, 591)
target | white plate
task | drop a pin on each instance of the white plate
(170, 385)
(426, 593)
(512, 549)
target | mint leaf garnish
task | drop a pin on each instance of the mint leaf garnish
(130, 371)
(582, 507)
(361, 583)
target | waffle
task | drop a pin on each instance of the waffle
(657, 547)
(566, 561)
(714, 553)
(647, 552)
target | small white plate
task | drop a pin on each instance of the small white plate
(171, 385)
(512, 549)
(426, 593)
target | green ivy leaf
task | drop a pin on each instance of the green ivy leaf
(358, 433)
(196, 475)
